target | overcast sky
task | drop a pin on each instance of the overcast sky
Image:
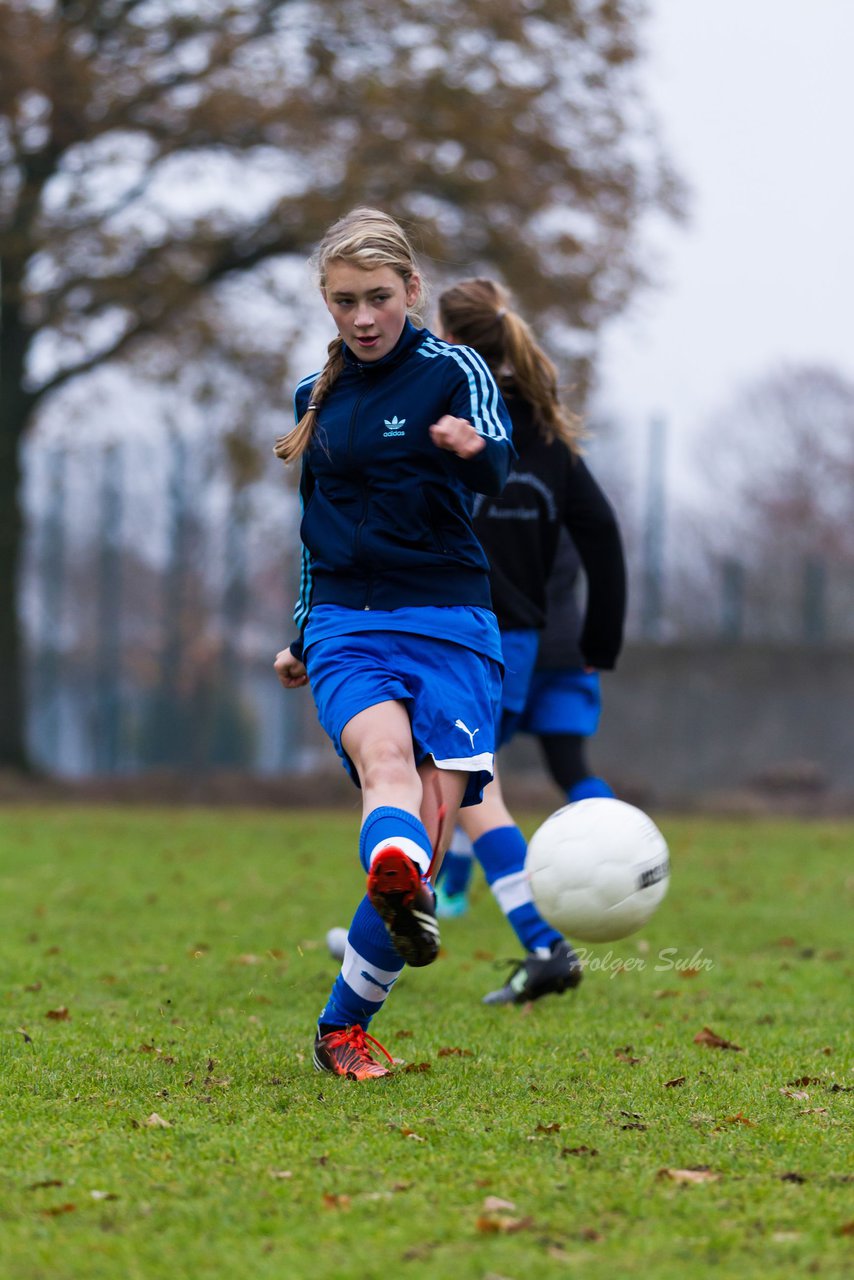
(756, 104)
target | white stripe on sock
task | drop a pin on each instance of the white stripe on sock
(354, 971)
(460, 844)
(512, 891)
(411, 848)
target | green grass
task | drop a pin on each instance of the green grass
(187, 948)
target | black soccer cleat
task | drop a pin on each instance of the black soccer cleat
(406, 906)
(537, 976)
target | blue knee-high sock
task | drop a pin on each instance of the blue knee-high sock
(589, 789)
(385, 825)
(371, 964)
(501, 853)
(370, 968)
(457, 864)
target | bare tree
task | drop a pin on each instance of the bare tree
(780, 511)
(151, 151)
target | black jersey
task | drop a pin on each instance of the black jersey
(548, 489)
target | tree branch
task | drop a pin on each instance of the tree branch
(231, 261)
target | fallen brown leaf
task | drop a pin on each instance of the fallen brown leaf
(48, 1182)
(418, 1066)
(800, 1095)
(493, 1224)
(331, 1201)
(494, 1204)
(554, 1127)
(154, 1121)
(57, 1209)
(792, 1177)
(675, 1082)
(454, 1053)
(714, 1041)
(741, 1119)
(700, 1174)
(579, 1151)
(58, 1015)
(410, 1133)
(847, 1228)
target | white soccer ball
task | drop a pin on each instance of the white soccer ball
(336, 941)
(598, 869)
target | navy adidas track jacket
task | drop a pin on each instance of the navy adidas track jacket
(387, 516)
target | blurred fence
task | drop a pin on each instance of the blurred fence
(156, 594)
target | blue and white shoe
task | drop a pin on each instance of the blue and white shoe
(449, 905)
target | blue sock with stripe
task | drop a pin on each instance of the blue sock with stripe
(371, 964)
(370, 968)
(457, 864)
(385, 825)
(501, 853)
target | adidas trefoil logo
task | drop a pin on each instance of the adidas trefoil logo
(394, 427)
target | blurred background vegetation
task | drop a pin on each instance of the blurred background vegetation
(165, 170)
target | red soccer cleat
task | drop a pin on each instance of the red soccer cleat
(345, 1052)
(406, 904)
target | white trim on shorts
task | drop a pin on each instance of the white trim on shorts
(468, 764)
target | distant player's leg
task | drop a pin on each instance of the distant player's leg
(551, 965)
(453, 884)
(519, 649)
(566, 758)
(563, 711)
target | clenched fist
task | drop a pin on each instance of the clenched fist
(457, 436)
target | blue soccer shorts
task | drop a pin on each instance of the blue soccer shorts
(562, 701)
(520, 657)
(452, 695)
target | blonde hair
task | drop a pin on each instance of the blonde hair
(479, 314)
(366, 238)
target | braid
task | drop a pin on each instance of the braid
(293, 445)
(368, 238)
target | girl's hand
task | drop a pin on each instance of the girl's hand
(291, 672)
(457, 436)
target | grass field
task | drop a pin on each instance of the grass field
(161, 974)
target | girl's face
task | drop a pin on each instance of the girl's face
(369, 307)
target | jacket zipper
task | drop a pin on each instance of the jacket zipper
(358, 530)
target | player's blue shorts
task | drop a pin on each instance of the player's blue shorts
(452, 694)
(519, 649)
(562, 701)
